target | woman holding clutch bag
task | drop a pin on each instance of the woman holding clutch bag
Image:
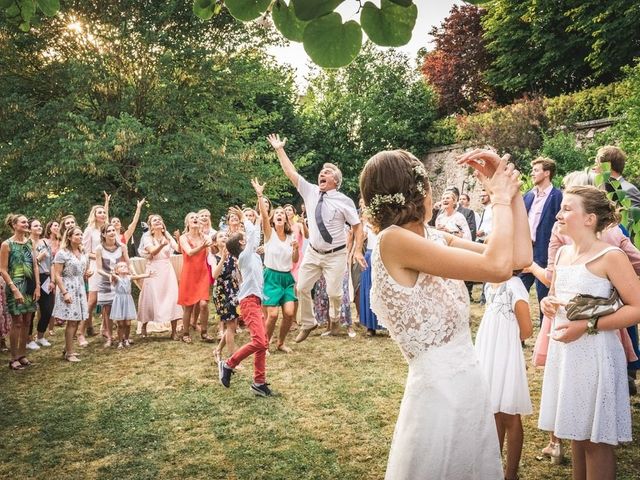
(585, 397)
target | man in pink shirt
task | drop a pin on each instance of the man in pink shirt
(542, 203)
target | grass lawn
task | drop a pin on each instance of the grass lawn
(157, 411)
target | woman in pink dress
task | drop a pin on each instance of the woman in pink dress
(158, 300)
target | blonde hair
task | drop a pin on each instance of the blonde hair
(119, 265)
(91, 220)
(11, 219)
(578, 178)
(186, 221)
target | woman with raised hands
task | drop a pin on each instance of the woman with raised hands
(445, 428)
(158, 301)
(281, 251)
(98, 216)
(124, 237)
(19, 269)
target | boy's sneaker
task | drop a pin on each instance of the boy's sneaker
(43, 342)
(224, 373)
(261, 390)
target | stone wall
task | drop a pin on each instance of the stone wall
(441, 162)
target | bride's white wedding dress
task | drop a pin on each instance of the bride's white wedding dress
(445, 428)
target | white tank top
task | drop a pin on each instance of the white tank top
(278, 253)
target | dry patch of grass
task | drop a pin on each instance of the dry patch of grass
(157, 411)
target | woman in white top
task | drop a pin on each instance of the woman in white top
(280, 253)
(98, 216)
(451, 221)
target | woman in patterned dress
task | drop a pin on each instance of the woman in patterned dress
(19, 269)
(70, 268)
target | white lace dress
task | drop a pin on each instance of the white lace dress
(585, 395)
(445, 428)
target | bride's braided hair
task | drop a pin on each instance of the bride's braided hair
(393, 186)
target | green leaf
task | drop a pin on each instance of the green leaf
(27, 10)
(246, 10)
(49, 7)
(5, 3)
(388, 26)
(635, 215)
(205, 9)
(311, 9)
(285, 20)
(404, 3)
(330, 43)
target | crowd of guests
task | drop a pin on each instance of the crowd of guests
(269, 262)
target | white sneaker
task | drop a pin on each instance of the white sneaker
(33, 345)
(43, 342)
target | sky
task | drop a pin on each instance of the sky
(430, 13)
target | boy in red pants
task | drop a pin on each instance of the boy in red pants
(243, 247)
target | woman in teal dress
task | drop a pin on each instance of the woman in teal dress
(20, 272)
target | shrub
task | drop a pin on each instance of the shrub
(562, 148)
(516, 128)
(590, 104)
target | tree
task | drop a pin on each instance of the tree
(138, 105)
(457, 65)
(376, 103)
(327, 40)
(550, 47)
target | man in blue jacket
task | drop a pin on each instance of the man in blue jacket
(542, 203)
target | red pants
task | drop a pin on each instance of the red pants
(251, 309)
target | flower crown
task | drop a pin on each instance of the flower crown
(397, 198)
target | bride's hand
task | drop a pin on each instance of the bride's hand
(504, 184)
(481, 160)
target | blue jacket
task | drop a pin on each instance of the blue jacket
(548, 218)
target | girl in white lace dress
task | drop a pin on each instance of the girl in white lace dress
(445, 427)
(585, 396)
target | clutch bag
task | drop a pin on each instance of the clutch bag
(584, 306)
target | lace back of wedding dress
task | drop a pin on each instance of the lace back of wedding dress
(430, 314)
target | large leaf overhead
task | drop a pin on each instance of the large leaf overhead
(330, 43)
(311, 9)
(49, 7)
(205, 9)
(285, 20)
(246, 10)
(390, 25)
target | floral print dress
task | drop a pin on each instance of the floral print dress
(225, 291)
(73, 271)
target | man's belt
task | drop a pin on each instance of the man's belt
(325, 252)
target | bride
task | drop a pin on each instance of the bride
(445, 427)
